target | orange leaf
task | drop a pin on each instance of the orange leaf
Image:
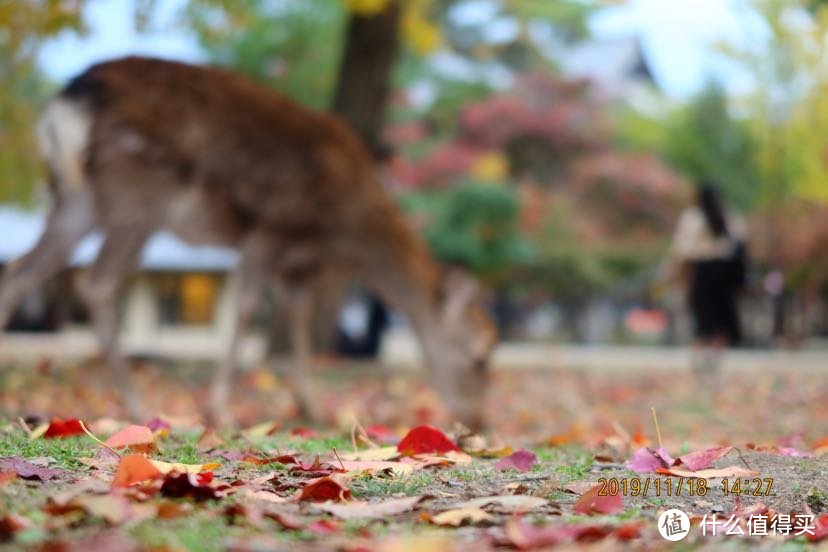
(134, 436)
(593, 503)
(134, 469)
(425, 439)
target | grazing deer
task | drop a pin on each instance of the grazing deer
(138, 145)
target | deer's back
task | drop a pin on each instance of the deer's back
(272, 159)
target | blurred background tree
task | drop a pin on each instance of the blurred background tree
(536, 180)
(25, 25)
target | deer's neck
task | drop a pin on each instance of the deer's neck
(396, 264)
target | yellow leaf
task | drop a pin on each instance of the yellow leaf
(38, 431)
(374, 454)
(261, 430)
(492, 167)
(366, 8)
(167, 467)
(458, 517)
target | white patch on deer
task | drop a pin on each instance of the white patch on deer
(63, 135)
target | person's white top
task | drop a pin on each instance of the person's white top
(693, 240)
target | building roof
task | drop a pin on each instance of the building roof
(616, 65)
(19, 231)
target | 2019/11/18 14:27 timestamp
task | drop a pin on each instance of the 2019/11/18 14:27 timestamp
(676, 486)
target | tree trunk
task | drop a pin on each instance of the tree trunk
(364, 82)
(362, 93)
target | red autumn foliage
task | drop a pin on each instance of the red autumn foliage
(189, 485)
(522, 460)
(591, 502)
(425, 439)
(324, 489)
(59, 428)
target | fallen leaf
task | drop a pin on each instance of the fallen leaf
(820, 529)
(304, 432)
(262, 430)
(381, 453)
(167, 467)
(266, 496)
(522, 460)
(324, 489)
(114, 509)
(191, 485)
(90, 485)
(11, 524)
(157, 424)
(369, 510)
(648, 460)
(425, 439)
(133, 469)
(527, 536)
(796, 453)
(287, 521)
(7, 476)
(460, 516)
(702, 459)
(323, 527)
(136, 437)
(59, 428)
(580, 487)
(168, 509)
(399, 469)
(593, 503)
(209, 440)
(382, 435)
(504, 503)
(27, 470)
(38, 431)
(730, 471)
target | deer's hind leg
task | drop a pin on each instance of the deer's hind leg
(99, 286)
(70, 220)
(250, 279)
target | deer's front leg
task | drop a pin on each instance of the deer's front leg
(250, 280)
(300, 305)
(119, 257)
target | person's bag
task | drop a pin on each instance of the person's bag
(737, 265)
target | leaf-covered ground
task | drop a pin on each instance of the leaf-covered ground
(558, 438)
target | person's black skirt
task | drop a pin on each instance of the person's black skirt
(713, 301)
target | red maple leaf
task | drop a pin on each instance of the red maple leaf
(59, 428)
(425, 439)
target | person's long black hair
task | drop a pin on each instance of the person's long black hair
(711, 205)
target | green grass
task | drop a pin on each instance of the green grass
(65, 451)
(376, 487)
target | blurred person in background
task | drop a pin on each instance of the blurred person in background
(708, 255)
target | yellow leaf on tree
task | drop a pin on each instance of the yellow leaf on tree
(366, 8)
(491, 167)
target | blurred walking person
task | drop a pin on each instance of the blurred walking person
(709, 255)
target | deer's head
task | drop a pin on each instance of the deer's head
(460, 347)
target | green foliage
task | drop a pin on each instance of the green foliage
(473, 224)
(707, 142)
(291, 46)
(704, 141)
(23, 27)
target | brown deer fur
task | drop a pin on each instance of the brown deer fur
(137, 145)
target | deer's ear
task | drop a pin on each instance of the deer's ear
(459, 290)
